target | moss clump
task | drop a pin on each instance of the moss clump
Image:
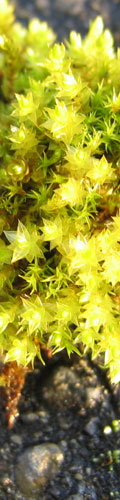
(59, 192)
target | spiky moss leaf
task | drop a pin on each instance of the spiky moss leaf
(56, 62)
(22, 243)
(6, 16)
(7, 314)
(52, 231)
(5, 253)
(34, 314)
(23, 139)
(24, 350)
(94, 54)
(64, 123)
(25, 107)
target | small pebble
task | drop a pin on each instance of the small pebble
(92, 396)
(63, 445)
(88, 471)
(72, 7)
(36, 466)
(42, 4)
(92, 426)
(82, 487)
(78, 476)
(44, 416)
(63, 389)
(30, 417)
(16, 439)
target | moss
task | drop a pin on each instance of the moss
(59, 193)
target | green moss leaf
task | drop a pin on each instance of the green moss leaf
(59, 192)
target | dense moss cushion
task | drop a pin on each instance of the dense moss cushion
(59, 192)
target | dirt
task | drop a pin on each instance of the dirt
(70, 404)
(66, 15)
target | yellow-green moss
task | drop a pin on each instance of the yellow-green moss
(59, 192)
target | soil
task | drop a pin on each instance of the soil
(68, 403)
(71, 405)
(66, 15)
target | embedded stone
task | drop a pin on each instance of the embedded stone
(36, 466)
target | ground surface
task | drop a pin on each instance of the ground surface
(66, 15)
(67, 404)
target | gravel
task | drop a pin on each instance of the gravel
(60, 451)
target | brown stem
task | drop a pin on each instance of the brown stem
(14, 379)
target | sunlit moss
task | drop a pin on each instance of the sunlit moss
(59, 192)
